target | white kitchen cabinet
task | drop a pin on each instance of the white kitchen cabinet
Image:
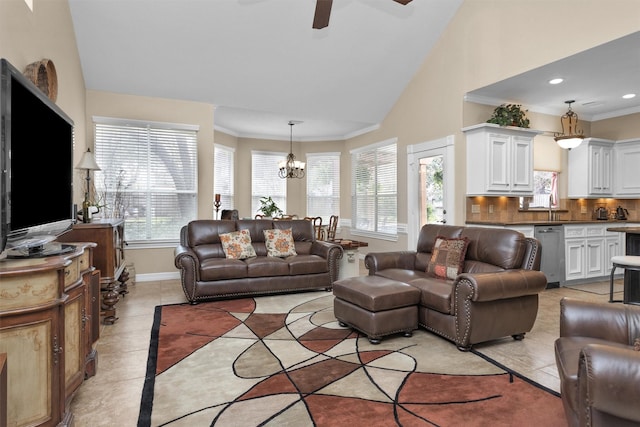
(592, 159)
(499, 160)
(627, 161)
(585, 251)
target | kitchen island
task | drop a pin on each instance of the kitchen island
(631, 278)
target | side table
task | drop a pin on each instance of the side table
(108, 258)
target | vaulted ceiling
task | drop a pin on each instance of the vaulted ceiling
(262, 64)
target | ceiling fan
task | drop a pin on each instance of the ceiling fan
(323, 12)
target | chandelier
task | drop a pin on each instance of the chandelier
(570, 137)
(291, 168)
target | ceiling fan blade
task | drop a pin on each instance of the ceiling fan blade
(403, 2)
(323, 12)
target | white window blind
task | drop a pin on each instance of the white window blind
(374, 188)
(323, 185)
(223, 175)
(148, 176)
(265, 181)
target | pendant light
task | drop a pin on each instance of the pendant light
(570, 137)
(291, 168)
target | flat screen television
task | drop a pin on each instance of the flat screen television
(36, 179)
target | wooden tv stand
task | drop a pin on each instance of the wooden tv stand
(48, 330)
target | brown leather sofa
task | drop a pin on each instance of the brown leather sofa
(206, 273)
(496, 295)
(598, 367)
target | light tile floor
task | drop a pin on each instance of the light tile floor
(112, 396)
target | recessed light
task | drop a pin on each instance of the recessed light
(629, 96)
(556, 81)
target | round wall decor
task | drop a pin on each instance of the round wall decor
(43, 74)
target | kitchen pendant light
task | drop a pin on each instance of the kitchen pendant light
(291, 168)
(570, 137)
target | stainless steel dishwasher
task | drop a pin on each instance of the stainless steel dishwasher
(551, 239)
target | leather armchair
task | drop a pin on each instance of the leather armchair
(598, 367)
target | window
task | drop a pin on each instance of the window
(265, 181)
(323, 185)
(223, 175)
(374, 188)
(148, 176)
(545, 191)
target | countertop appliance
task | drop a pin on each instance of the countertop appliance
(621, 213)
(602, 213)
(551, 239)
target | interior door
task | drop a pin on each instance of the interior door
(430, 185)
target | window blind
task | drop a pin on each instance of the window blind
(223, 175)
(148, 176)
(265, 181)
(323, 185)
(375, 188)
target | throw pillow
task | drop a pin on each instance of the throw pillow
(447, 258)
(279, 243)
(237, 244)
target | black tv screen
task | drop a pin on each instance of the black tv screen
(37, 169)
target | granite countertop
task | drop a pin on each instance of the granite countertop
(613, 222)
(630, 230)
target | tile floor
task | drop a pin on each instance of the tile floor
(112, 396)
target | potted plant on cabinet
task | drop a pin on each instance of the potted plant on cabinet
(509, 115)
(268, 207)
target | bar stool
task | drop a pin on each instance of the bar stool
(628, 262)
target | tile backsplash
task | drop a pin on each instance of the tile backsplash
(507, 209)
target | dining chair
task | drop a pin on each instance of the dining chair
(317, 226)
(333, 226)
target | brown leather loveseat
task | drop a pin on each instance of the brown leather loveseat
(599, 367)
(495, 295)
(206, 271)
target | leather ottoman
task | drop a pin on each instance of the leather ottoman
(376, 306)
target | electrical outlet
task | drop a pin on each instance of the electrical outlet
(490, 208)
(475, 208)
(583, 209)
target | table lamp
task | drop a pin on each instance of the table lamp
(88, 163)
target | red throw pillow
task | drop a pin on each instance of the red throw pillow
(447, 258)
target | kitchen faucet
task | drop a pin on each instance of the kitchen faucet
(552, 216)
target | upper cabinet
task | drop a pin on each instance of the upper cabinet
(593, 160)
(499, 160)
(627, 161)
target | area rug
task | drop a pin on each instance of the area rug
(285, 361)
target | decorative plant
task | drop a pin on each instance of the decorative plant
(269, 208)
(509, 115)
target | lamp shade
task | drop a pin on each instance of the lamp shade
(88, 161)
(569, 143)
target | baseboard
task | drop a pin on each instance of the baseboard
(153, 277)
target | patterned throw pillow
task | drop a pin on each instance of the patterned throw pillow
(237, 244)
(447, 258)
(279, 243)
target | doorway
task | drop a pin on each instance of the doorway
(430, 186)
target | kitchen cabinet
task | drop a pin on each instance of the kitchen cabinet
(627, 159)
(586, 249)
(499, 160)
(592, 159)
(44, 326)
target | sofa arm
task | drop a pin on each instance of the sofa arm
(377, 261)
(332, 252)
(611, 322)
(499, 285)
(189, 265)
(608, 379)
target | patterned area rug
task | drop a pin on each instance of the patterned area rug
(284, 361)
